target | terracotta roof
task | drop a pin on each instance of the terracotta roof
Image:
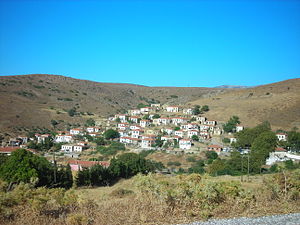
(89, 163)
(279, 149)
(215, 146)
(10, 149)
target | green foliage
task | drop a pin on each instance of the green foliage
(293, 141)
(90, 122)
(173, 96)
(111, 134)
(54, 123)
(142, 105)
(195, 138)
(99, 141)
(72, 112)
(261, 147)
(175, 163)
(176, 128)
(124, 166)
(246, 137)
(230, 126)
(211, 155)
(191, 159)
(156, 116)
(226, 140)
(23, 166)
(198, 167)
(205, 108)
(196, 110)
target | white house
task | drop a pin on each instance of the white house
(169, 131)
(134, 127)
(147, 143)
(134, 112)
(123, 126)
(122, 117)
(191, 133)
(281, 155)
(145, 110)
(179, 133)
(129, 140)
(232, 140)
(281, 136)
(210, 122)
(134, 119)
(172, 109)
(71, 148)
(201, 119)
(185, 144)
(188, 111)
(92, 129)
(42, 137)
(63, 138)
(239, 128)
(144, 123)
(165, 120)
(76, 131)
(179, 120)
(136, 133)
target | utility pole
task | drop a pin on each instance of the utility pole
(242, 168)
(248, 166)
(54, 162)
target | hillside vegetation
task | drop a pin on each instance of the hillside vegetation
(34, 100)
(278, 103)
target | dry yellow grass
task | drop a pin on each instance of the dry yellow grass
(278, 103)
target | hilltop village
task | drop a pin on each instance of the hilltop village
(169, 128)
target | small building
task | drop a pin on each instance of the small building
(239, 128)
(92, 129)
(76, 131)
(185, 144)
(77, 165)
(188, 111)
(145, 123)
(281, 136)
(172, 109)
(215, 148)
(147, 143)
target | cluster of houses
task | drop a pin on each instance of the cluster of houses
(174, 125)
(170, 127)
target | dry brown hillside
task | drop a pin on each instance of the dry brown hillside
(35, 100)
(278, 103)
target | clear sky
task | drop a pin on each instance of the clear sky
(152, 42)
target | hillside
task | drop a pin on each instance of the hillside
(34, 100)
(278, 103)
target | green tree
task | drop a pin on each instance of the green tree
(22, 166)
(260, 149)
(211, 155)
(293, 141)
(72, 112)
(230, 126)
(205, 108)
(111, 134)
(246, 137)
(90, 122)
(156, 116)
(196, 110)
(195, 138)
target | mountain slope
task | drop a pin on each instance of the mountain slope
(34, 100)
(279, 103)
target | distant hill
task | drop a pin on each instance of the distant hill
(231, 86)
(35, 100)
(279, 103)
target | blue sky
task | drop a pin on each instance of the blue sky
(155, 43)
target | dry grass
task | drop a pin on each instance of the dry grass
(278, 103)
(128, 203)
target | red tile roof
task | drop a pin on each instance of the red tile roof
(89, 163)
